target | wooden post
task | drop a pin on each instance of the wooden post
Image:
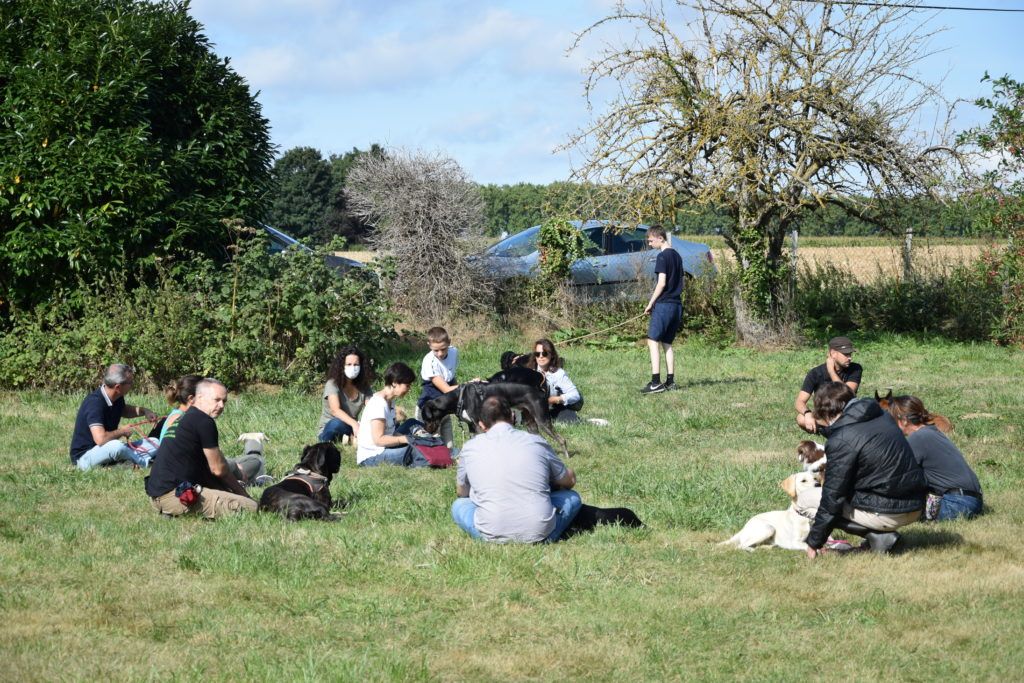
(794, 264)
(908, 241)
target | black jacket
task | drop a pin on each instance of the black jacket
(870, 467)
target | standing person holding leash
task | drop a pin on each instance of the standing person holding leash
(665, 309)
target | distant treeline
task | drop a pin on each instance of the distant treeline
(308, 201)
(511, 208)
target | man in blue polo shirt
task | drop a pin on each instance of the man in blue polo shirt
(96, 440)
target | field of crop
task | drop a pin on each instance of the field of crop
(96, 586)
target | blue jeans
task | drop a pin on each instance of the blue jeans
(389, 456)
(116, 451)
(567, 504)
(334, 430)
(954, 505)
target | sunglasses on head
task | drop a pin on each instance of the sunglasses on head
(540, 354)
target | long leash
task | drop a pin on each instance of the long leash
(145, 440)
(607, 329)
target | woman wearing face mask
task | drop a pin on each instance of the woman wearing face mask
(348, 386)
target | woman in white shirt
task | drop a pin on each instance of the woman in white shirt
(378, 442)
(564, 399)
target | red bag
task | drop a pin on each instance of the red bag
(438, 456)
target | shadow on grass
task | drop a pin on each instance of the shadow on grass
(930, 538)
(715, 382)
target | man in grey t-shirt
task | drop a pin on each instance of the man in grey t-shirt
(511, 486)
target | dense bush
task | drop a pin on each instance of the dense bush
(962, 303)
(262, 318)
(123, 139)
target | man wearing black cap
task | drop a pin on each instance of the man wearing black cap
(838, 367)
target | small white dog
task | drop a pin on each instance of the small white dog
(785, 528)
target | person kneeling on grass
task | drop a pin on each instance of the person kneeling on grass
(512, 488)
(189, 472)
(953, 488)
(873, 484)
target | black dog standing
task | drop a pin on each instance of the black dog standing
(306, 492)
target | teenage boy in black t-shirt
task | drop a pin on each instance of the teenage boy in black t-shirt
(665, 309)
(838, 367)
(190, 452)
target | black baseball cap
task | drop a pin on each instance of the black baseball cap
(841, 344)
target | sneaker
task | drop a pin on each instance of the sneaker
(671, 386)
(653, 388)
(882, 543)
(263, 480)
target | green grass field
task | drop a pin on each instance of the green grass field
(96, 586)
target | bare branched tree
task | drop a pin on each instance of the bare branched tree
(426, 213)
(766, 108)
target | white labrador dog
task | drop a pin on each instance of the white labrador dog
(785, 528)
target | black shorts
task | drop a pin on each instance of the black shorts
(665, 319)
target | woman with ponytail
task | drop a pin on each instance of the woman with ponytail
(953, 487)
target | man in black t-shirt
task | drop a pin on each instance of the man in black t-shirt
(838, 367)
(190, 453)
(665, 309)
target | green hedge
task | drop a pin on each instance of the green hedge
(274, 318)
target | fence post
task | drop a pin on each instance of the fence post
(794, 264)
(908, 240)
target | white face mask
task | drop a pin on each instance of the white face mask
(352, 371)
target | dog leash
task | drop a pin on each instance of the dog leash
(607, 329)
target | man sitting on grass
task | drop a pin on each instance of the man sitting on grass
(96, 440)
(511, 486)
(190, 473)
(838, 367)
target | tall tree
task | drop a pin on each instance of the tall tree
(301, 192)
(123, 138)
(339, 220)
(765, 108)
(1000, 199)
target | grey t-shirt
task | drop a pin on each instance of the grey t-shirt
(509, 474)
(944, 465)
(350, 406)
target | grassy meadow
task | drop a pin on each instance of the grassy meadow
(96, 586)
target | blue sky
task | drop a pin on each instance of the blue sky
(488, 83)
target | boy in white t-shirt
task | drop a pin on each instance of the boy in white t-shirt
(438, 375)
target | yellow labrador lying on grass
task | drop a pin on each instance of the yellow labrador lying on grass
(785, 528)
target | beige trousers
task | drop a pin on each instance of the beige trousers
(879, 522)
(212, 503)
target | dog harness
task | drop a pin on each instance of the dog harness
(314, 481)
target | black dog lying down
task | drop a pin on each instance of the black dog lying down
(306, 492)
(465, 403)
(590, 517)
